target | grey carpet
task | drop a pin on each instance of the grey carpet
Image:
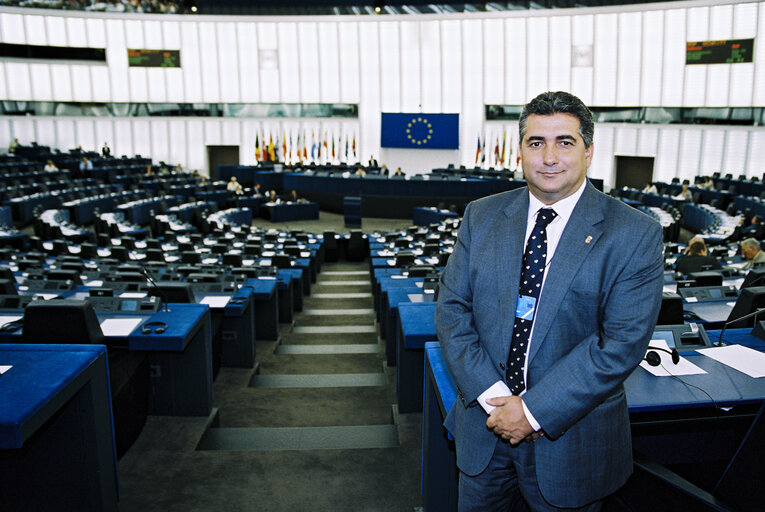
(288, 338)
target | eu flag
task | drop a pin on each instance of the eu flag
(420, 131)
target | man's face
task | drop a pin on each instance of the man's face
(553, 156)
(748, 251)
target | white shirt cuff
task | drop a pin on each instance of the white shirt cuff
(530, 418)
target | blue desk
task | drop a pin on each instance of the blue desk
(266, 296)
(662, 410)
(237, 328)
(286, 300)
(422, 216)
(56, 436)
(416, 327)
(285, 212)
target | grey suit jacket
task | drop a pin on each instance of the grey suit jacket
(594, 319)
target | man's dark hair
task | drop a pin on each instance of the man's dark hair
(697, 248)
(549, 103)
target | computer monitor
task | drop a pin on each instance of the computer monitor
(755, 277)
(750, 300)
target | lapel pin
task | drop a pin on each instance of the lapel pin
(588, 240)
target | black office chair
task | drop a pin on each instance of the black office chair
(356, 246)
(232, 259)
(8, 287)
(281, 261)
(331, 246)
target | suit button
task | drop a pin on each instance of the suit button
(502, 365)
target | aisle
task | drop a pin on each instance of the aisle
(313, 427)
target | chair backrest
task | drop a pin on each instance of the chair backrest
(61, 321)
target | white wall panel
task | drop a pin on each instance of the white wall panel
(718, 75)
(95, 32)
(137, 77)
(754, 162)
(56, 31)
(329, 59)
(315, 45)
(369, 93)
(390, 67)
(735, 151)
(42, 89)
(208, 56)
(603, 155)
(75, 32)
(472, 98)
(213, 135)
(696, 75)
(741, 88)
(34, 28)
(269, 77)
(250, 128)
(81, 83)
(123, 139)
(176, 133)
(228, 63)
(65, 134)
(712, 149)
(86, 134)
(45, 132)
(493, 62)
(157, 89)
(196, 150)
(171, 36)
(19, 87)
(142, 137)
(410, 66)
(560, 53)
(160, 141)
(5, 133)
(249, 83)
(629, 59)
(116, 59)
(665, 165)
(690, 151)
(288, 62)
(3, 81)
(537, 56)
(431, 66)
(451, 66)
(605, 56)
(152, 35)
(349, 62)
(583, 38)
(231, 132)
(12, 28)
(625, 140)
(62, 82)
(24, 130)
(647, 140)
(651, 62)
(191, 62)
(674, 58)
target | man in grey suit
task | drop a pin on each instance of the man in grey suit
(540, 336)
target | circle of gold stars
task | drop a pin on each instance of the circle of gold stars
(425, 129)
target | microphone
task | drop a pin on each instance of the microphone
(154, 285)
(719, 342)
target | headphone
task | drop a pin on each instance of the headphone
(654, 359)
(12, 326)
(153, 328)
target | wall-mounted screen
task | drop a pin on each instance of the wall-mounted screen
(31, 51)
(154, 58)
(726, 51)
(420, 131)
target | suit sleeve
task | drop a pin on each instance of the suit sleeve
(468, 362)
(595, 368)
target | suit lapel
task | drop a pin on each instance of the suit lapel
(511, 236)
(578, 238)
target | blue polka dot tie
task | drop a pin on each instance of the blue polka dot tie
(532, 272)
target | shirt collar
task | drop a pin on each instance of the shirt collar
(563, 208)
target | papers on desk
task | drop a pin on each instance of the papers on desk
(104, 253)
(215, 301)
(119, 326)
(738, 357)
(7, 319)
(45, 296)
(418, 284)
(96, 284)
(210, 261)
(669, 288)
(4, 369)
(248, 263)
(133, 295)
(667, 367)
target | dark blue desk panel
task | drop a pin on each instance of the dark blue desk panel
(742, 203)
(238, 329)
(417, 327)
(389, 315)
(285, 212)
(181, 361)
(56, 435)
(422, 216)
(266, 296)
(285, 286)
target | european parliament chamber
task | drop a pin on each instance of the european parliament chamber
(225, 224)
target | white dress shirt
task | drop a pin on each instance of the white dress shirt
(563, 209)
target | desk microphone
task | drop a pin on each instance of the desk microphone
(719, 342)
(154, 285)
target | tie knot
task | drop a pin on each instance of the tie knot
(545, 216)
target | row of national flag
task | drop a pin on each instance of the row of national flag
(300, 148)
(496, 151)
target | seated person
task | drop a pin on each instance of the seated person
(271, 197)
(685, 194)
(707, 183)
(256, 190)
(398, 172)
(750, 248)
(650, 188)
(755, 229)
(696, 258)
(149, 170)
(360, 172)
(234, 186)
(50, 166)
(384, 170)
(291, 197)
